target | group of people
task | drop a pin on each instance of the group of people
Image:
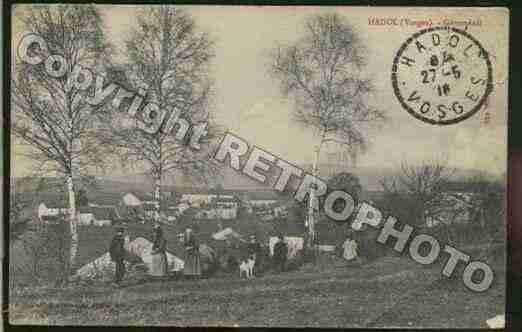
(159, 265)
(192, 265)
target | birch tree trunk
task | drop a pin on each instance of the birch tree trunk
(310, 223)
(157, 197)
(73, 223)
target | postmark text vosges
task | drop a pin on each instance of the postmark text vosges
(442, 75)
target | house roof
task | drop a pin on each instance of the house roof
(100, 213)
(142, 196)
(205, 191)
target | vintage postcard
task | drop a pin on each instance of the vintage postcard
(258, 166)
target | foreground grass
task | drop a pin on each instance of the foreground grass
(390, 292)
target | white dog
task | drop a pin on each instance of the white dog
(247, 266)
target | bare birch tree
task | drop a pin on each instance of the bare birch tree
(169, 60)
(50, 116)
(324, 74)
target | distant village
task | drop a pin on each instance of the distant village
(110, 208)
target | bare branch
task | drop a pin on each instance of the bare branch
(322, 72)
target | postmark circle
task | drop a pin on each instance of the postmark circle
(442, 75)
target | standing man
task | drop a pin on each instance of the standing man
(159, 264)
(117, 252)
(280, 254)
(254, 250)
(192, 268)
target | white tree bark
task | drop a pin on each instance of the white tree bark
(73, 222)
(157, 197)
(310, 222)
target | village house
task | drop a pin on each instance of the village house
(226, 201)
(47, 209)
(197, 199)
(88, 215)
(133, 199)
(263, 202)
(217, 213)
(263, 198)
(98, 216)
(267, 205)
(142, 207)
(203, 198)
(221, 207)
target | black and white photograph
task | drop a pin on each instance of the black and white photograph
(257, 166)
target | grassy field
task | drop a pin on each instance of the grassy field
(391, 291)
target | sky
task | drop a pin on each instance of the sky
(248, 101)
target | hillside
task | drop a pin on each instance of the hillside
(370, 178)
(380, 294)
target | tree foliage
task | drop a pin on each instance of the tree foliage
(347, 182)
(418, 192)
(169, 60)
(324, 74)
(488, 203)
(55, 122)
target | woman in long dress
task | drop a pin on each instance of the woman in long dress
(192, 268)
(159, 255)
